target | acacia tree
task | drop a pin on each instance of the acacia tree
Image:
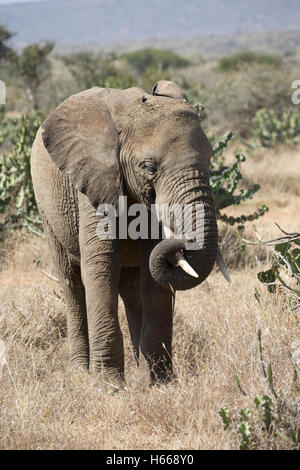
(89, 70)
(34, 67)
(159, 59)
(5, 36)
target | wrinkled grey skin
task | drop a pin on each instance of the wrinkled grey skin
(96, 146)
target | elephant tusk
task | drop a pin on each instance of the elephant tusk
(168, 232)
(180, 259)
(222, 266)
(182, 262)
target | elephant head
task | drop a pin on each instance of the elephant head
(150, 147)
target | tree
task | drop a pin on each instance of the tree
(247, 58)
(145, 59)
(93, 70)
(34, 67)
(88, 69)
(5, 36)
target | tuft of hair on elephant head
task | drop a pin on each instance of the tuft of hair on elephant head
(97, 146)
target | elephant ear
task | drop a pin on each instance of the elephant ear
(169, 89)
(83, 142)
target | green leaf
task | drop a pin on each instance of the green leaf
(245, 430)
(282, 248)
(245, 414)
(224, 413)
(268, 278)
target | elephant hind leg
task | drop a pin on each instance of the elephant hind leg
(69, 275)
(130, 291)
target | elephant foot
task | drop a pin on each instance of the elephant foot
(112, 391)
(107, 383)
(76, 366)
(78, 359)
(161, 375)
(163, 379)
(161, 369)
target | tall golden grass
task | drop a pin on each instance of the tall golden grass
(44, 406)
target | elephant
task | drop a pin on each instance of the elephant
(98, 145)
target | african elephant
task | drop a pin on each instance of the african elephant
(96, 146)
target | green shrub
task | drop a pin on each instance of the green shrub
(271, 128)
(237, 61)
(152, 76)
(5, 35)
(17, 200)
(34, 67)
(224, 181)
(285, 267)
(284, 274)
(154, 58)
(94, 70)
(118, 80)
(270, 424)
(273, 422)
(234, 99)
(8, 130)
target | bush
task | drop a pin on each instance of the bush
(271, 128)
(34, 67)
(8, 132)
(284, 273)
(270, 424)
(224, 181)
(274, 421)
(232, 100)
(5, 51)
(154, 58)
(93, 70)
(17, 200)
(152, 76)
(242, 59)
(118, 80)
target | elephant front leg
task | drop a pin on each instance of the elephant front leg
(105, 337)
(156, 335)
(130, 291)
(100, 270)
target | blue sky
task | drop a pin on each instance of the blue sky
(6, 2)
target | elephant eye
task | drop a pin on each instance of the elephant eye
(149, 167)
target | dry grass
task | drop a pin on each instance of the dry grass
(277, 171)
(43, 406)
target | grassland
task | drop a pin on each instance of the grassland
(43, 406)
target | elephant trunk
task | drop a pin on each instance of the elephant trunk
(186, 261)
